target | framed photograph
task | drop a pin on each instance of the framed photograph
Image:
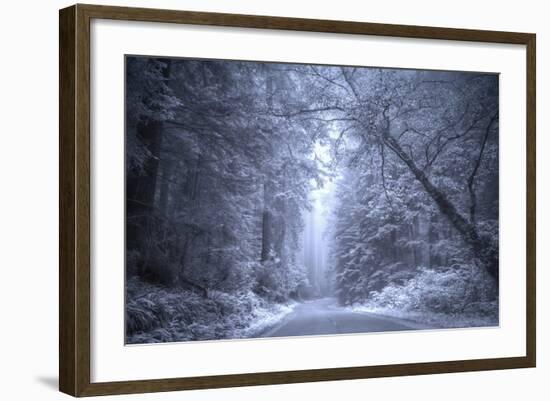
(250, 200)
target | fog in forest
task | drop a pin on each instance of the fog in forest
(272, 199)
(315, 241)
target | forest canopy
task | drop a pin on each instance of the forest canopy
(227, 163)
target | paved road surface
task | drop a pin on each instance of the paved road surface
(324, 316)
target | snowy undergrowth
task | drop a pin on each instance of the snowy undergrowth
(159, 314)
(265, 318)
(451, 298)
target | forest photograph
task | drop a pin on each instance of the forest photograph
(268, 199)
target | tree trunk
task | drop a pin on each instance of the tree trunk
(412, 237)
(482, 247)
(165, 187)
(432, 238)
(182, 278)
(194, 186)
(141, 186)
(393, 248)
(266, 226)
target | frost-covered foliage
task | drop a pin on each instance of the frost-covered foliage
(217, 183)
(160, 314)
(278, 285)
(222, 158)
(455, 297)
(418, 187)
(453, 290)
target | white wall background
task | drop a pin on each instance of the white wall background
(28, 203)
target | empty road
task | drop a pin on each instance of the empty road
(324, 316)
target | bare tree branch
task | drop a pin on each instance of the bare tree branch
(471, 178)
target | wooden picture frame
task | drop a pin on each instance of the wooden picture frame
(74, 204)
